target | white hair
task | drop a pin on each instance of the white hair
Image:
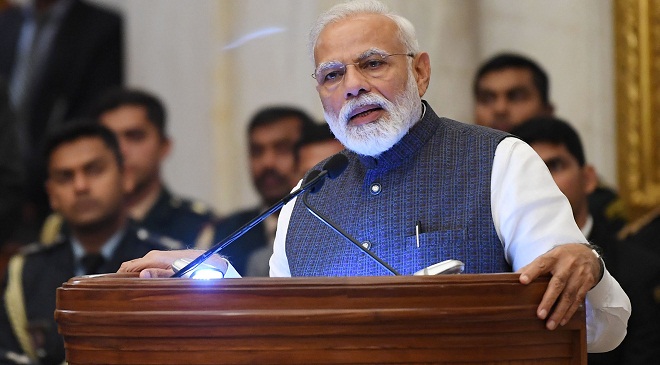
(350, 8)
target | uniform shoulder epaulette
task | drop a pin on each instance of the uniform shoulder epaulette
(36, 247)
(167, 242)
(196, 206)
(634, 227)
(51, 230)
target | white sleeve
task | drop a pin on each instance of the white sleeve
(279, 264)
(531, 216)
(231, 271)
(530, 213)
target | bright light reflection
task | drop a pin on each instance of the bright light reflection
(259, 33)
(207, 274)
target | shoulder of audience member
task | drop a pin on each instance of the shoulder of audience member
(37, 248)
(640, 224)
(192, 207)
(154, 239)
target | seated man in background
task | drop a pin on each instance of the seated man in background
(634, 266)
(139, 121)
(318, 144)
(510, 89)
(273, 133)
(87, 186)
(476, 194)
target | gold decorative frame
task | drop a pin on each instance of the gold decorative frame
(637, 40)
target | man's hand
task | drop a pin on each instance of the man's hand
(158, 264)
(575, 270)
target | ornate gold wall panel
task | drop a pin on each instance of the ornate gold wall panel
(637, 37)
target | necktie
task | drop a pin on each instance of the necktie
(92, 262)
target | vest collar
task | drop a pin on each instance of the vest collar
(411, 142)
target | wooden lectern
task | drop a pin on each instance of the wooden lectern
(451, 319)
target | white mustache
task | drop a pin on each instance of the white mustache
(364, 100)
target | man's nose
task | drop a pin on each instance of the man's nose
(355, 83)
(501, 105)
(80, 183)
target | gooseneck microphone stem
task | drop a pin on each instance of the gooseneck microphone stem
(247, 226)
(337, 229)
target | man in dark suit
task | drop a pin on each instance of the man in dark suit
(87, 185)
(58, 56)
(273, 133)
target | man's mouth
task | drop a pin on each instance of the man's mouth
(365, 114)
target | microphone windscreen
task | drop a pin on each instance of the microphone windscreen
(336, 165)
(312, 175)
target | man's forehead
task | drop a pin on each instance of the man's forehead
(348, 38)
(284, 128)
(506, 78)
(78, 153)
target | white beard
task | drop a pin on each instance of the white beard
(374, 138)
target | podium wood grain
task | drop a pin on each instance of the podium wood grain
(453, 319)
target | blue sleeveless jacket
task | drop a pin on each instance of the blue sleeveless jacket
(438, 174)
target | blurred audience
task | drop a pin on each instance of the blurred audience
(57, 55)
(87, 186)
(139, 119)
(508, 90)
(273, 133)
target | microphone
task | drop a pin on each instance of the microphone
(337, 229)
(333, 168)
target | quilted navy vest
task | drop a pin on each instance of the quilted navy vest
(438, 174)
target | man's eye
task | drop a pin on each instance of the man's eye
(331, 75)
(518, 95)
(555, 165)
(62, 178)
(372, 64)
(485, 98)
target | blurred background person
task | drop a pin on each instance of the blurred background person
(273, 133)
(317, 144)
(139, 119)
(87, 186)
(58, 56)
(508, 90)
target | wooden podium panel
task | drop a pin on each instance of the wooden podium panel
(452, 319)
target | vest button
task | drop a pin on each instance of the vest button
(375, 189)
(366, 244)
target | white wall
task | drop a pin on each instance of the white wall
(177, 49)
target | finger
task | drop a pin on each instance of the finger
(577, 302)
(554, 290)
(571, 312)
(540, 265)
(561, 305)
(144, 263)
(156, 273)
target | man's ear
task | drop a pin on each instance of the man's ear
(52, 200)
(422, 71)
(549, 110)
(127, 181)
(165, 148)
(590, 178)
